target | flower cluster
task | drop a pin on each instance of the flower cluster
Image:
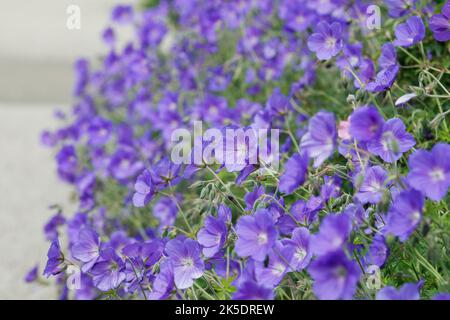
(363, 183)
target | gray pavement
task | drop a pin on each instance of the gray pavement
(37, 52)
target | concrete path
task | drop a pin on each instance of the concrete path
(28, 185)
(37, 52)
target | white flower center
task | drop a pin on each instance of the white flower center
(300, 19)
(213, 111)
(330, 42)
(262, 238)
(187, 262)
(416, 216)
(437, 175)
(278, 269)
(300, 254)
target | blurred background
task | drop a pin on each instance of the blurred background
(37, 52)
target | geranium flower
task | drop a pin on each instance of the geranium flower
(212, 237)
(409, 291)
(430, 171)
(55, 259)
(108, 273)
(327, 41)
(440, 24)
(32, 274)
(405, 214)
(251, 197)
(320, 140)
(145, 189)
(378, 252)
(409, 33)
(165, 210)
(299, 245)
(399, 8)
(384, 79)
(294, 175)
(87, 248)
(393, 141)
(335, 276)
(251, 290)
(256, 235)
(163, 283)
(333, 233)
(184, 254)
(366, 123)
(373, 186)
(277, 266)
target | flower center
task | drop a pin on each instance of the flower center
(330, 42)
(262, 238)
(300, 254)
(278, 269)
(187, 262)
(300, 19)
(416, 216)
(437, 175)
(213, 111)
(125, 164)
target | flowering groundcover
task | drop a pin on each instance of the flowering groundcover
(358, 207)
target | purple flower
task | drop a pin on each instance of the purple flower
(165, 210)
(256, 235)
(277, 266)
(365, 123)
(409, 291)
(440, 24)
(163, 283)
(409, 33)
(430, 171)
(384, 79)
(55, 261)
(99, 131)
(81, 68)
(327, 41)
(335, 276)
(295, 172)
(125, 164)
(299, 245)
(398, 8)
(212, 237)
(251, 197)
(87, 290)
(251, 290)
(144, 253)
(184, 255)
(109, 37)
(378, 252)
(405, 214)
(331, 188)
(442, 296)
(320, 140)
(122, 14)
(278, 103)
(373, 186)
(145, 189)
(297, 18)
(393, 141)
(388, 57)
(67, 163)
(32, 275)
(333, 233)
(108, 273)
(87, 248)
(51, 227)
(350, 59)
